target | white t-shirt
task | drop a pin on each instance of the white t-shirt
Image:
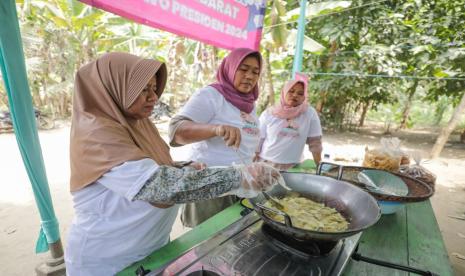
(208, 106)
(285, 139)
(109, 230)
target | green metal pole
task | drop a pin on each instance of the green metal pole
(297, 66)
(13, 69)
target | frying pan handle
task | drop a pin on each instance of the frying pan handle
(262, 209)
(339, 169)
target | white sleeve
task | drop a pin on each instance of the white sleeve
(128, 178)
(201, 106)
(315, 126)
(263, 122)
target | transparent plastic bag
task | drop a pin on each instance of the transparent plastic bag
(419, 172)
(387, 157)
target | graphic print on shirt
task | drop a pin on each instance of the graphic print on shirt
(290, 129)
(250, 124)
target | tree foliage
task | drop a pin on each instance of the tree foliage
(363, 45)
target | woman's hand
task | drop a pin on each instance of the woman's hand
(259, 177)
(198, 165)
(231, 135)
(192, 164)
(256, 158)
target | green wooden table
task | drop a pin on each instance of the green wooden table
(409, 237)
(185, 242)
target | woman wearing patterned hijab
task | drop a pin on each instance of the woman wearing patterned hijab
(286, 127)
(221, 123)
(124, 184)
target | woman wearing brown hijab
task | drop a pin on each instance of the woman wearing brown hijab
(124, 184)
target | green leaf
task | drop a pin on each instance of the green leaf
(319, 8)
(278, 32)
(440, 74)
(310, 45)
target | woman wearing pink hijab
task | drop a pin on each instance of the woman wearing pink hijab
(220, 122)
(286, 127)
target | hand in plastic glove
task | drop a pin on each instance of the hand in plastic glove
(195, 165)
(259, 177)
(256, 157)
(231, 135)
(198, 165)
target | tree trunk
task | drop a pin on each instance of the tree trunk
(439, 113)
(326, 65)
(62, 104)
(215, 57)
(44, 90)
(321, 102)
(408, 105)
(447, 130)
(364, 113)
(176, 77)
(266, 82)
(339, 112)
(269, 79)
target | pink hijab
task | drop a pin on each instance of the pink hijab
(225, 80)
(284, 111)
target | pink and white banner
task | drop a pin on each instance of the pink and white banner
(223, 23)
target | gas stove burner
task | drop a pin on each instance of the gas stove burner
(299, 247)
(248, 248)
(203, 273)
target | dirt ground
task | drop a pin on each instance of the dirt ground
(19, 219)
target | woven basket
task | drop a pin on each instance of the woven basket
(418, 190)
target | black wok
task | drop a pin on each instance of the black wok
(356, 205)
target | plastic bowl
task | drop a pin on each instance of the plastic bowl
(389, 207)
(383, 182)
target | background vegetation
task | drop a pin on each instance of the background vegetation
(399, 62)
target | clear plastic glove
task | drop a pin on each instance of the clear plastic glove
(257, 177)
(198, 165)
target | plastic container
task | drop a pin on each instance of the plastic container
(383, 182)
(389, 207)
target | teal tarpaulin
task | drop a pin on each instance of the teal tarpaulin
(14, 75)
(299, 47)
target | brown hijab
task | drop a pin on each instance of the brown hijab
(102, 137)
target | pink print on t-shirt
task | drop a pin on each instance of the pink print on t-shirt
(250, 125)
(290, 129)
